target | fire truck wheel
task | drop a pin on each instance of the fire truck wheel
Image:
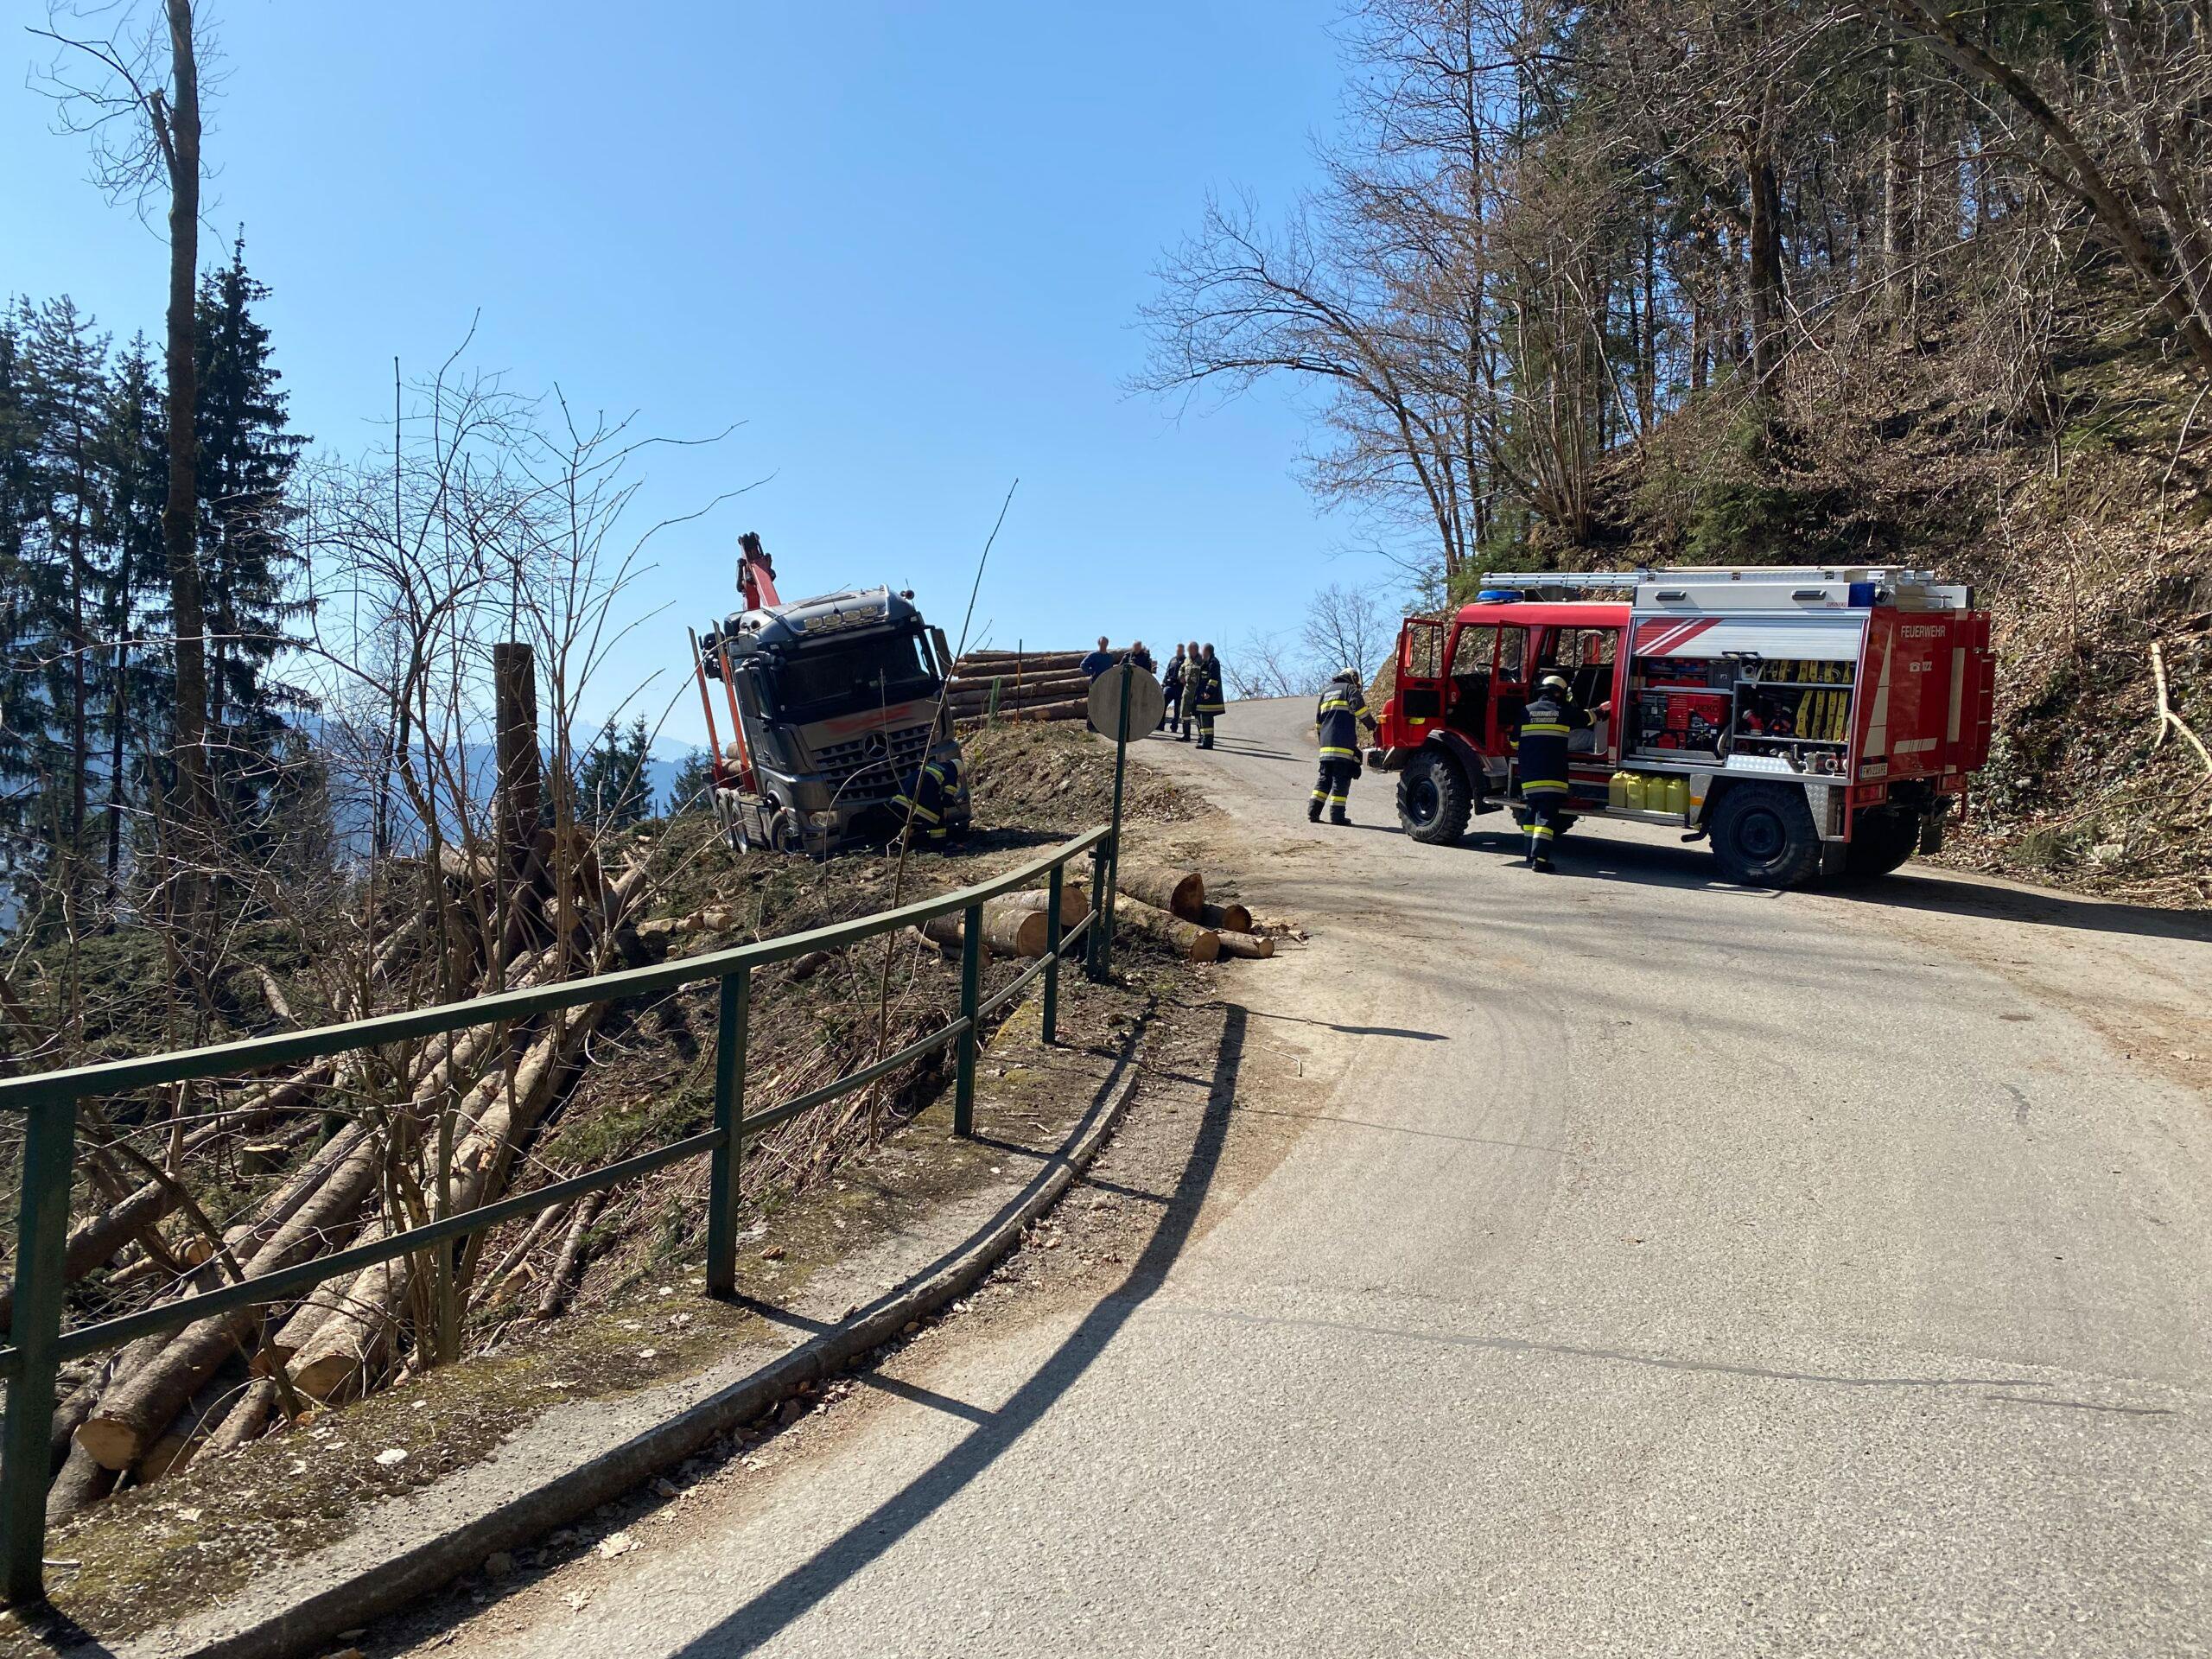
(1763, 834)
(1434, 801)
(1880, 843)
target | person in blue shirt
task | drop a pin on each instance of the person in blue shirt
(1098, 662)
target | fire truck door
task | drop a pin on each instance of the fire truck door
(1508, 689)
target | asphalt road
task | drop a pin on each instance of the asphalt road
(1658, 1269)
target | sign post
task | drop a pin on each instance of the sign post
(1125, 699)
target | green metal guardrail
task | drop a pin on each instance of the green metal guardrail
(37, 1345)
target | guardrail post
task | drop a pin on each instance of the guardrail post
(971, 983)
(1052, 954)
(26, 1460)
(734, 1015)
(1102, 882)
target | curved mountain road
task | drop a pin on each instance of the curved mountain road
(1642, 1267)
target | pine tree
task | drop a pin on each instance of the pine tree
(247, 558)
(612, 787)
(688, 791)
(22, 711)
(134, 462)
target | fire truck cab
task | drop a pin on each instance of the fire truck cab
(1808, 721)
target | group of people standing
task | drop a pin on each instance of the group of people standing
(1193, 685)
(1195, 694)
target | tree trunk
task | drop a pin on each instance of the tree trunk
(1009, 929)
(1764, 270)
(1075, 898)
(1900, 165)
(196, 811)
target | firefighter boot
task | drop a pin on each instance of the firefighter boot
(1314, 812)
(1338, 818)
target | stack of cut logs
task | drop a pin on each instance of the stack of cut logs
(1168, 903)
(1030, 685)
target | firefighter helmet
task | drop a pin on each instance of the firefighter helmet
(1350, 676)
(1552, 682)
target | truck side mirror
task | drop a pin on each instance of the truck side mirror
(943, 653)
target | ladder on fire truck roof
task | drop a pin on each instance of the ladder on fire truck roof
(1549, 580)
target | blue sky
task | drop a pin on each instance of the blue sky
(904, 245)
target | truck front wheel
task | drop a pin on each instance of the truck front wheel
(1433, 800)
(1764, 835)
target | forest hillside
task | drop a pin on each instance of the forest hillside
(1780, 281)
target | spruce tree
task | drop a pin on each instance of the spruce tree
(248, 561)
(689, 790)
(133, 463)
(612, 787)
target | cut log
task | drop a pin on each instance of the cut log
(1009, 929)
(1230, 917)
(245, 1418)
(1197, 943)
(184, 1437)
(1030, 662)
(134, 1411)
(1075, 898)
(84, 1481)
(1180, 892)
(572, 1250)
(95, 1241)
(1247, 944)
(489, 1125)
(1077, 709)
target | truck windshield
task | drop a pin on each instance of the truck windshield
(815, 681)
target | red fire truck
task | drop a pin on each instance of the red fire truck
(1809, 722)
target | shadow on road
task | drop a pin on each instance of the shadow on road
(1361, 1030)
(1912, 890)
(791, 1596)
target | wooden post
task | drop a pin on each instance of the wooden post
(42, 1237)
(521, 781)
(735, 1016)
(971, 982)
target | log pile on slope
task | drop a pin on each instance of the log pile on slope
(1031, 685)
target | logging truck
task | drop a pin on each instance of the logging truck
(1806, 721)
(833, 704)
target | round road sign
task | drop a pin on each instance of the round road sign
(1147, 703)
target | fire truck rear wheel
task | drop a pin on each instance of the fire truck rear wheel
(1764, 835)
(1433, 800)
(1880, 843)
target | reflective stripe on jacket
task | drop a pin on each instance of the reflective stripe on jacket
(1546, 724)
(929, 796)
(1336, 721)
(1209, 695)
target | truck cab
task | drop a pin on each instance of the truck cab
(836, 702)
(1808, 721)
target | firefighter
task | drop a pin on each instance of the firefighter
(1210, 700)
(1190, 701)
(1552, 716)
(1336, 722)
(1173, 687)
(926, 801)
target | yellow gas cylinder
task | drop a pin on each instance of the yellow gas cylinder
(1678, 796)
(1617, 791)
(1632, 791)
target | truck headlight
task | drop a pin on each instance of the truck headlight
(822, 820)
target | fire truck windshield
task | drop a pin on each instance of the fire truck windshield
(840, 676)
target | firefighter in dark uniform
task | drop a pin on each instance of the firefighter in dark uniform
(1171, 689)
(926, 801)
(1209, 700)
(1336, 722)
(1551, 717)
